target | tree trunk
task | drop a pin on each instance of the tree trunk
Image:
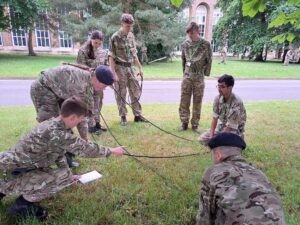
(29, 44)
(259, 57)
(284, 54)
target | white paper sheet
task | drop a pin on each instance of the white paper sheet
(89, 177)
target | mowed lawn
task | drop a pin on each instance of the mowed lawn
(132, 194)
(21, 66)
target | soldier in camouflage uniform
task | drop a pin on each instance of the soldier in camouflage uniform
(57, 84)
(196, 62)
(92, 55)
(122, 56)
(144, 55)
(223, 54)
(229, 113)
(233, 191)
(41, 157)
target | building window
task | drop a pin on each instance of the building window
(42, 34)
(217, 15)
(19, 37)
(201, 14)
(65, 40)
(1, 40)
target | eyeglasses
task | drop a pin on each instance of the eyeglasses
(221, 86)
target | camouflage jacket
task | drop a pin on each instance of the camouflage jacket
(236, 193)
(66, 81)
(122, 48)
(101, 56)
(196, 57)
(46, 145)
(231, 114)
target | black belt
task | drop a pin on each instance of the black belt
(123, 64)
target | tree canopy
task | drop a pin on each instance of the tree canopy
(158, 24)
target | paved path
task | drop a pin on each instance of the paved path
(16, 92)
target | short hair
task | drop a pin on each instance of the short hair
(97, 34)
(74, 106)
(191, 27)
(227, 79)
(127, 18)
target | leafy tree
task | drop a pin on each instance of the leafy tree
(243, 33)
(157, 22)
(286, 16)
(23, 15)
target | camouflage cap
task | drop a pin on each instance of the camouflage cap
(226, 139)
(127, 18)
(104, 75)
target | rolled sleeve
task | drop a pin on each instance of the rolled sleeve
(112, 49)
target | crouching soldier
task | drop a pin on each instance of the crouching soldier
(37, 154)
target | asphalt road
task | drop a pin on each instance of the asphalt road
(16, 92)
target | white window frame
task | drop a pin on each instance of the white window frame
(65, 37)
(42, 38)
(17, 37)
(201, 18)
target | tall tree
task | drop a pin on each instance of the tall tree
(157, 24)
(243, 32)
(24, 14)
(285, 16)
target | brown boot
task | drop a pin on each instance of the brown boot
(184, 126)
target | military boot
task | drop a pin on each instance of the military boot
(196, 129)
(94, 130)
(140, 119)
(24, 208)
(1, 196)
(99, 127)
(123, 121)
(184, 126)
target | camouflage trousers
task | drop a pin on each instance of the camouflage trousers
(98, 103)
(47, 105)
(205, 136)
(144, 58)
(127, 79)
(191, 87)
(36, 184)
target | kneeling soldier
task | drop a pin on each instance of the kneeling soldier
(36, 155)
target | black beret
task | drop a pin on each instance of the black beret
(226, 139)
(104, 75)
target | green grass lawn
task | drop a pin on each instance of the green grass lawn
(18, 66)
(131, 194)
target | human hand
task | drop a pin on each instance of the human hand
(118, 151)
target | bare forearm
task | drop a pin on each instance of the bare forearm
(213, 126)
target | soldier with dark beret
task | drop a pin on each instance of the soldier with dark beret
(235, 192)
(57, 84)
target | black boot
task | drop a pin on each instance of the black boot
(123, 121)
(70, 161)
(2, 196)
(99, 127)
(140, 119)
(184, 126)
(24, 208)
(94, 130)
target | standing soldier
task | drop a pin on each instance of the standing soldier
(223, 53)
(196, 63)
(289, 55)
(57, 84)
(40, 155)
(144, 55)
(122, 56)
(234, 191)
(92, 55)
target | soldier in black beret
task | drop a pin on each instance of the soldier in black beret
(234, 191)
